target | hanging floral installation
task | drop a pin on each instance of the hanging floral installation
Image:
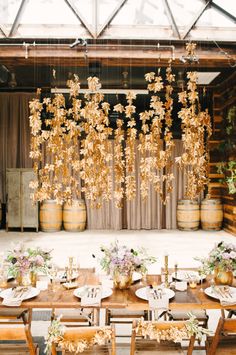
(74, 149)
(96, 147)
(194, 125)
(119, 161)
(156, 160)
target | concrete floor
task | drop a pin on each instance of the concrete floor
(181, 247)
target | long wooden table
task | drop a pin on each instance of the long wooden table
(192, 299)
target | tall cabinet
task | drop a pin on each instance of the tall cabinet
(21, 211)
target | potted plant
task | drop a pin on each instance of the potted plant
(121, 261)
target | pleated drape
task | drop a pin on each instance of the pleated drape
(139, 213)
(178, 188)
(14, 134)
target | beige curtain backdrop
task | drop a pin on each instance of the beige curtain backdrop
(139, 213)
(178, 189)
(14, 134)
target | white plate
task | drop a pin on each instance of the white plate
(136, 276)
(106, 291)
(186, 275)
(209, 291)
(142, 293)
(33, 292)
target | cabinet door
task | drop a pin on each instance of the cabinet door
(29, 208)
(13, 199)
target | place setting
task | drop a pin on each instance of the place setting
(224, 293)
(91, 295)
(14, 296)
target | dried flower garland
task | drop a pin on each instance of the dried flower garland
(78, 147)
(130, 181)
(194, 125)
(56, 335)
(155, 161)
(173, 333)
(96, 147)
(119, 162)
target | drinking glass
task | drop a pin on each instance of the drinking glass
(53, 274)
(3, 275)
(201, 273)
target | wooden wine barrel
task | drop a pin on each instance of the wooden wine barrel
(50, 216)
(74, 216)
(188, 215)
(211, 214)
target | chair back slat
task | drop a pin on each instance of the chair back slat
(229, 325)
(74, 334)
(15, 334)
(86, 333)
(160, 326)
(12, 334)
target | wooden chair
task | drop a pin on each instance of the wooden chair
(224, 340)
(79, 316)
(147, 346)
(13, 335)
(87, 333)
(16, 315)
(123, 316)
(200, 314)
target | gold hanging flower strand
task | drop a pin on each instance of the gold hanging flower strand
(195, 123)
(130, 182)
(156, 161)
(119, 162)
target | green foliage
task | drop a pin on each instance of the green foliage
(229, 171)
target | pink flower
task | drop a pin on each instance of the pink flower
(39, 261)
(226, 256)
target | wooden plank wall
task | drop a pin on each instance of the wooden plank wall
(223, 97)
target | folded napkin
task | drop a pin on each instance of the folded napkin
(15, 298)
(228, 301)
(92, 296)
(157, 299)
(226, 297)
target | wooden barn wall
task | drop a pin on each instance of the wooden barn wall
(224, 97)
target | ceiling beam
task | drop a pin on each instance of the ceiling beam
(223, 11)
(196, 18)
(80, 17)
(171, 18)
(109, 55)
(111, 16)
(17, 18)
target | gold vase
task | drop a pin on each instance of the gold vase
(23, 279)
(222, 277)
(122, 281)
(33, 278)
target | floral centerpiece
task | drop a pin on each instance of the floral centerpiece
(121, 261)
(221, 260)
(24, 261)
